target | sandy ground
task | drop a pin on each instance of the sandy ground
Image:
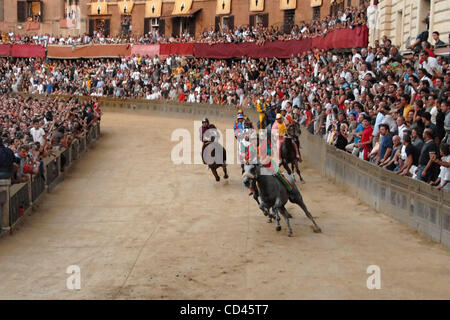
(140, 227)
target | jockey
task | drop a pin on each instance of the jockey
(247, 149)
(279, 132)
(208, 133)
(239, 126)
(247, 123)
(288, 117)
(261, 108)
(204, 128)
(288, 113)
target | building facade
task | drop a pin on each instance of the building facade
(58, 17)
(402, 20)
(171, 17)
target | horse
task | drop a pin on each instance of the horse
(213, 162)
(274, 194)
(289, 156)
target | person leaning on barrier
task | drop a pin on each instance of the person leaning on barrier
(412, 158)
(427, 168)
(24, 167)
(386, 144)
(442, 182)
(6, 161)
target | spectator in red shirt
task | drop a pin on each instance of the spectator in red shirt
(366, 138)
(181, 97)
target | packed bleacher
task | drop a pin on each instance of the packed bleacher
(382, 106)
(348, 18)
(34, 128)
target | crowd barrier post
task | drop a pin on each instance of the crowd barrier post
(4, 204)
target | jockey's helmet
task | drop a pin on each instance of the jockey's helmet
(240, 116)
(205, 120)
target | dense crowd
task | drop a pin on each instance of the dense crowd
(374, 103)
(387, 109)
(32, 129)
(347, 18)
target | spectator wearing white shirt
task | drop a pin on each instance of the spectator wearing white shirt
(37, 133)
(430, 64)
(401, 127)
(191, 98)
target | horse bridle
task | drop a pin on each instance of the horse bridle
(249, 175)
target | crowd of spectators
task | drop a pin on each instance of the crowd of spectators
(386, 108)
(32, 129)
(346, 18)
(382, 106)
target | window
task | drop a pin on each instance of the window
(35, 11)
(335, 8)
(289, 16)
(70, 8)
(2, 13)
(256, 19)
(349, 3)
(262, 19)
(126, 24)
(21, 11)
(228, 22)
(29, 11)
(316, 13)
(155, 22)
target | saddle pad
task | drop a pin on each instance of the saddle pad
(285, 181)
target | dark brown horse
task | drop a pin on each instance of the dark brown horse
(209, 152)
(288, 156)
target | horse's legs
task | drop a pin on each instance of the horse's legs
(286, 218)
(277, 216)
(299, 201)
(266, 211)
(214, 172)
(286, 166)
(224, 167)
(298, 172)
(293, 169)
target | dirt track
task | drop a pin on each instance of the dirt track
(140, 227)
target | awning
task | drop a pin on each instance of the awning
(223, 7)
(182, 7)
(189, 14)
(153, 8)
(288, 4)
(125, 6)
(99, 8)
(256, 5)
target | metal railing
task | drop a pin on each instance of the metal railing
(17, 199)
